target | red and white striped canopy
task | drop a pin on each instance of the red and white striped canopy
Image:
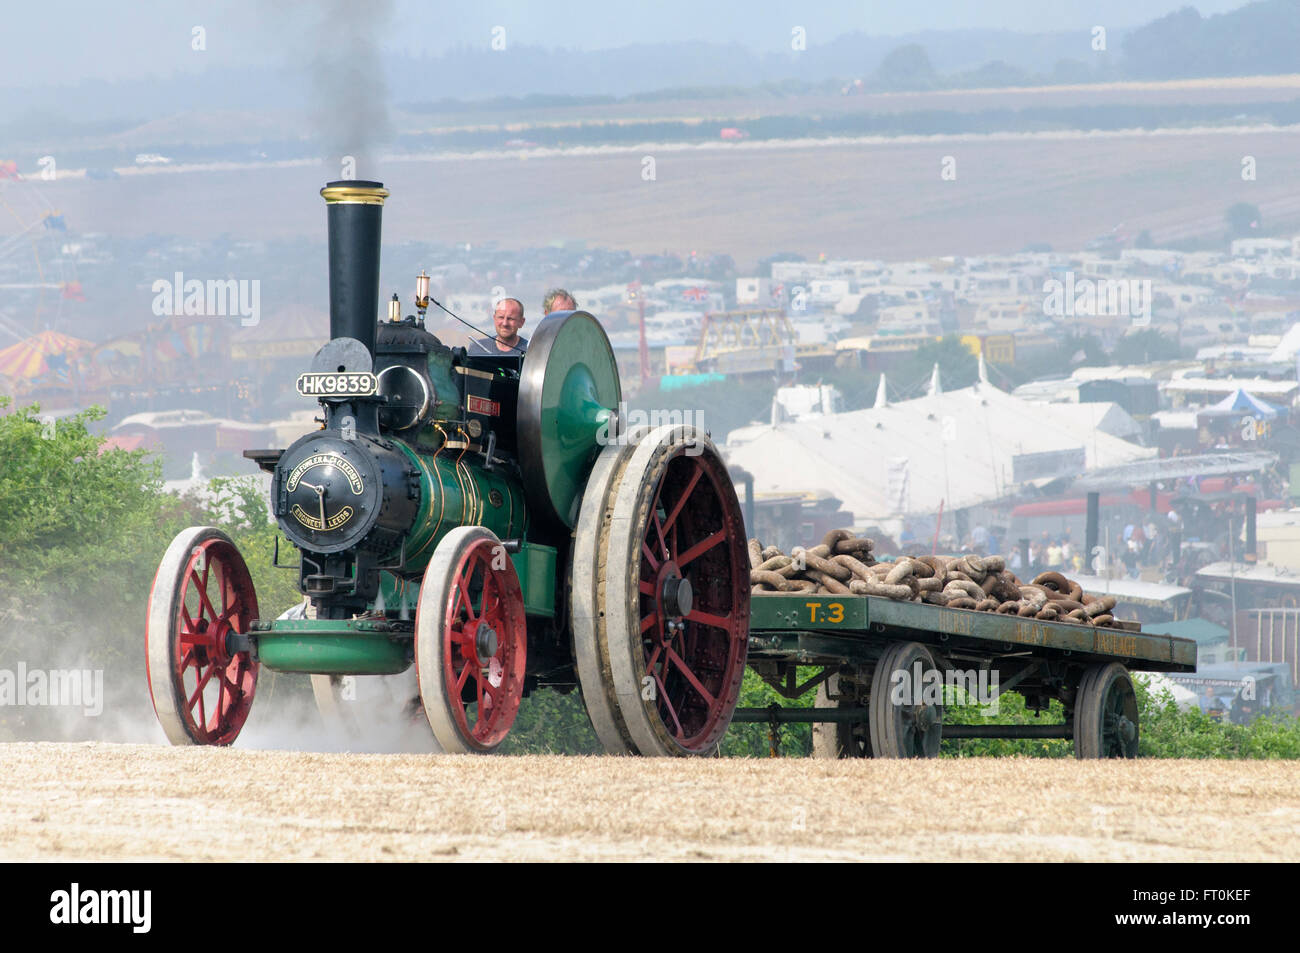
(27, 359)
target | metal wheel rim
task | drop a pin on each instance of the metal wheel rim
(587, 569)
(1105, 714)
(903, 730)
(1118, 717)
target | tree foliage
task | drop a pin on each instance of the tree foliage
(1166, 731)
(958, 367)
(906, 68)
(1258, 38)
(1169, 732)
(1243, 218)
(551, 722)
(83, 529)
(754, 739)
(1145, 346)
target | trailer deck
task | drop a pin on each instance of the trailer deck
(850, 629)
(872, 652)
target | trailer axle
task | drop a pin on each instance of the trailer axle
(803, 716)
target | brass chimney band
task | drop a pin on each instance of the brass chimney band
(353, 195)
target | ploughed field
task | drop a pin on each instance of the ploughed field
(868, 198)
(96, 801)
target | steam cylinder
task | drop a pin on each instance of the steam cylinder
(354, 211)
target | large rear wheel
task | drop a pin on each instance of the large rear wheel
(674, 594)
(202, 593)
(585, 583)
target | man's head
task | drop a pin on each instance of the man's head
(557, 299)
(508, 318)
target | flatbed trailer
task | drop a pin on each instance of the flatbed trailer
(881, 659)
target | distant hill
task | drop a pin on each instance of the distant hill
(1258, 39)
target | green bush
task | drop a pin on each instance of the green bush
(753, 740)
(238, 505)
(83, 532)
(551, 722)
(1168, 732)
(1011, 711)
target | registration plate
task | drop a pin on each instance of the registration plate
(342, 384)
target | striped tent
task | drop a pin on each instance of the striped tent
(37, 355)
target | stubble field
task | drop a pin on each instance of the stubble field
(109, 802)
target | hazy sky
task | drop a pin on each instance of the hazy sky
(64, 41)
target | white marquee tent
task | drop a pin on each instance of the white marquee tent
(961, 448)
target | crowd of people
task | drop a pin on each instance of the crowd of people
(1133, 547)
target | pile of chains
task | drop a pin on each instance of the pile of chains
(843, 564)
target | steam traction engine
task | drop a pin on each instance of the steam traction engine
(488, 520)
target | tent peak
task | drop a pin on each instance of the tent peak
(936, 387)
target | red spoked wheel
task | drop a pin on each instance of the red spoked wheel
(471, 641)
(676, 620)
(201, 593)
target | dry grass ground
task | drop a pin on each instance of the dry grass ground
(142, 802)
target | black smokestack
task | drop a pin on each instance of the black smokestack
(355, 209)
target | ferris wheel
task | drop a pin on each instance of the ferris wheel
(38, 272)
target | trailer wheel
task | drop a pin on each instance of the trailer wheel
(201, 593)
(674, 594)
(1106, 714)
(909, 726)
(471, 641)
(834, 739)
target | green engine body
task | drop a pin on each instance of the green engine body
(418, 439)
(442, 443)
